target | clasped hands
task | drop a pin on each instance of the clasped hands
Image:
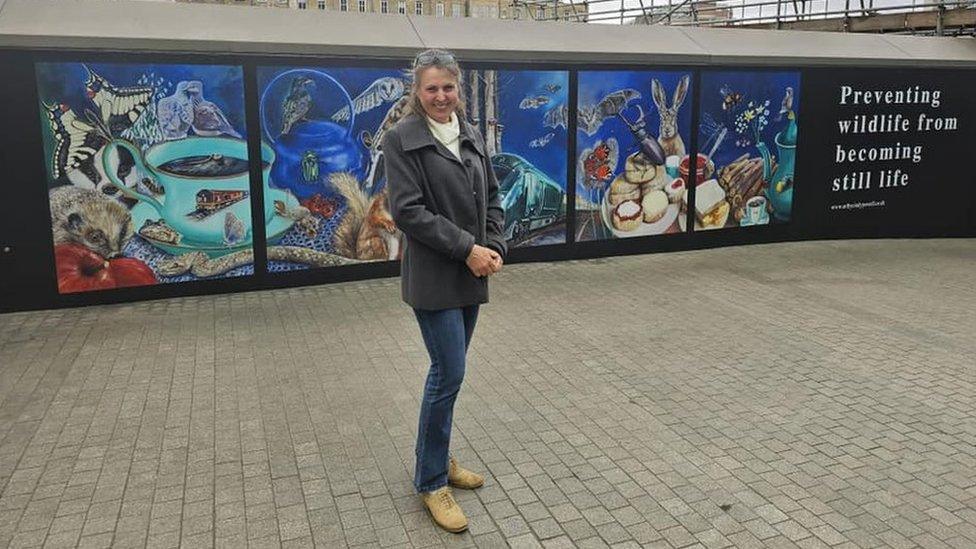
(484, 261)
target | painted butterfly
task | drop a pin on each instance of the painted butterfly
(599, 164)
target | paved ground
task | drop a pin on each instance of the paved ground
(796, 395)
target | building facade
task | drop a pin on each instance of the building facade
(701, 11)
(484, 9)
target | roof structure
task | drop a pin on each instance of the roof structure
(162, 27)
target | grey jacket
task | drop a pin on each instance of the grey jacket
(444, 206)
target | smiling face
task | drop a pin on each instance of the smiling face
(437, 90)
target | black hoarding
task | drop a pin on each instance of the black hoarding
(585, 158)
(889, 152)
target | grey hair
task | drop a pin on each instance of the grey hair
(441, 59)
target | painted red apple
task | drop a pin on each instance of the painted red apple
(82, 270)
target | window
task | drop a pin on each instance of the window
(540, 13)
(343, 5)
(301, 4)
(418, 7)
(384, 6)
(401, 7)
(362, 6)
(455, 10)
(440, 9)
(321, 4)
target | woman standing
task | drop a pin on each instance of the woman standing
(444, 197)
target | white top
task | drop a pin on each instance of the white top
(448, 133)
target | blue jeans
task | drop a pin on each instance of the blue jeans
(447, 334)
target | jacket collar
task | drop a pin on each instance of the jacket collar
(416, 134)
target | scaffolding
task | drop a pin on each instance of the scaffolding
(925, 17)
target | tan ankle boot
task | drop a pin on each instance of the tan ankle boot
(444, 510)
(460, 477)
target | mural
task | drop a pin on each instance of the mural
(147, 173)
(328, 185)
(747, 134)
(632, 138)
(327, 182)
(529, 153)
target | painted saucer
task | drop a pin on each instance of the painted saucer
(745, 222)
(276, 228)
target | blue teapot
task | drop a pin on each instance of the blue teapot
(779, 188)
(311, 149)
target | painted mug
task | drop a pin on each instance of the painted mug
(756, 210)
(203, 179)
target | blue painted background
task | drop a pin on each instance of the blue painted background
(594, 85)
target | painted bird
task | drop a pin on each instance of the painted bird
(297, 103)
(787, 105)
(382, 91)
(208, 119)
(175, 113)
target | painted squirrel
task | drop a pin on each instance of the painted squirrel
(367, 231)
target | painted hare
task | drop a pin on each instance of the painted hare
(669, 138)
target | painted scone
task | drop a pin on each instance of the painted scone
(627, 216)
(654, 204)
(621, 190)
(638, 169)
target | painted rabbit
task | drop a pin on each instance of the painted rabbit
(669, 138)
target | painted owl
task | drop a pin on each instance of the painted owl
(382, 91)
